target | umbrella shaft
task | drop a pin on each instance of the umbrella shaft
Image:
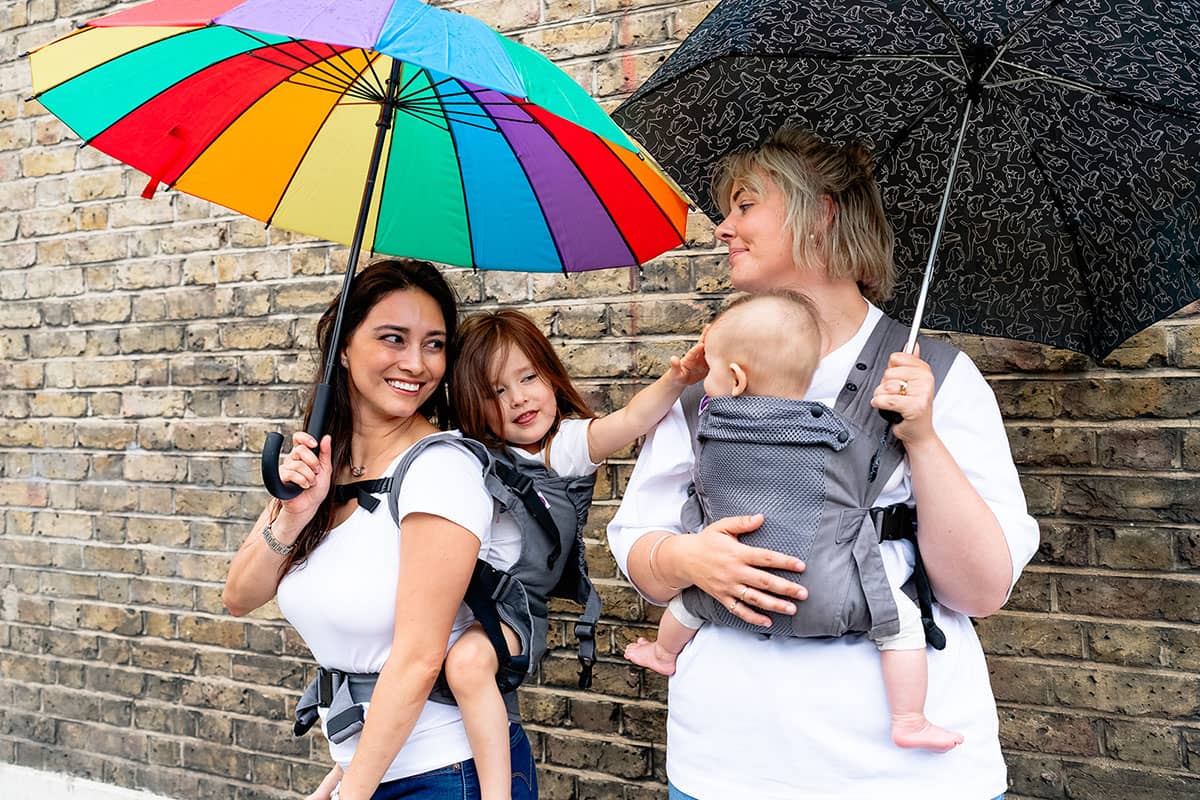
(937, 232)
(386, 111)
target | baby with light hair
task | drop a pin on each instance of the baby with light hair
(763, 345)
(763, 348)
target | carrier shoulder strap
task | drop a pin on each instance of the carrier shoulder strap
(526, 491)
(526, 488)
(690, 400)
(854, 400)
(505, 480)
(443, 437)
(486, 581)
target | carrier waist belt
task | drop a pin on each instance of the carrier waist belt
(343, 693)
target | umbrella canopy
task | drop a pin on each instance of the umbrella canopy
(496, 159)
(384, 124)
(1074, 218)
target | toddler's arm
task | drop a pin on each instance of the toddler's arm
(325, 790)
(607, 435)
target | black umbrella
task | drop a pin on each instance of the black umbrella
(1054, 147)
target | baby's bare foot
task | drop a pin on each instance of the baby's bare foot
(650, 655)
(914, 730)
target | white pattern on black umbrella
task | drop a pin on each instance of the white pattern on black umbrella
(1074, 219)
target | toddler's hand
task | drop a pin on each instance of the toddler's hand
(328, 788)
(692, 368)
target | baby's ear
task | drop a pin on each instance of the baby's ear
(740, 381)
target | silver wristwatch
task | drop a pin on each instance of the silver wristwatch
(275, 545)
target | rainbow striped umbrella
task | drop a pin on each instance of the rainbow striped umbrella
(382, 124)
(496, 159)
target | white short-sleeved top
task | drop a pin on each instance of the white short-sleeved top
(779, 718)
(568, 457)
(342, 601)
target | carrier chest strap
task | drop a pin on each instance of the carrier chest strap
(534, 503)
(363, 491)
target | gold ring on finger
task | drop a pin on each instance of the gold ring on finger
(903, 387)
(733, 606)
(742, 596)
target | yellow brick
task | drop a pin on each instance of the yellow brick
(38, 163)
(571, 40)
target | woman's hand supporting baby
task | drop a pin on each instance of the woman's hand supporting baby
(717, 563)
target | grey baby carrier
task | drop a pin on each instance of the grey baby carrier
(550, 511)
(815, 475)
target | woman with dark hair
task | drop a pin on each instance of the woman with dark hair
(776, 717)
(368, 599)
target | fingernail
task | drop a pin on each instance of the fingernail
(789, 609)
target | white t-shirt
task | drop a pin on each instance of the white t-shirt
(779, 718)
(568, 458)
(342, 601)
(569, 454)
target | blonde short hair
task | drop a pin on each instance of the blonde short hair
(858, 242)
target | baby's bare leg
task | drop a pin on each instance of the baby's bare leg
(905, 677)
(471, 667)
(330, 782)
(660, 654)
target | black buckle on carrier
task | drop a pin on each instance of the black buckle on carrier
(326, 679)
(585, 633)
(895, 522)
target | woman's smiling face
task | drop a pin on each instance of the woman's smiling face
(396, 358)
(760, 242)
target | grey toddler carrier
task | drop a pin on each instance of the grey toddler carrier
(815, 475)
(550, 511)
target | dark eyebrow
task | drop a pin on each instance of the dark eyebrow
(741, 190)
(404, 330)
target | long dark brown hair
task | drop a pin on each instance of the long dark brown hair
(367, 288)
(484, 341)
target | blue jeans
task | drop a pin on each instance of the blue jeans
(675, 794)
(460, 781)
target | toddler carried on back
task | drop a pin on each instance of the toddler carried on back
(756, 435)
(511, 392)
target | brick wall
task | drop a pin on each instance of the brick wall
(147, 346)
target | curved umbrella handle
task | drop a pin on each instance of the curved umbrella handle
(270, 469)
(274, 445)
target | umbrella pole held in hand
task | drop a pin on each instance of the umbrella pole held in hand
(894, 417)
(937, 231)
(324, 391)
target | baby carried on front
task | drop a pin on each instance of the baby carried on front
(755, 435)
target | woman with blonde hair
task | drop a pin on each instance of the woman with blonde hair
(779, 717)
